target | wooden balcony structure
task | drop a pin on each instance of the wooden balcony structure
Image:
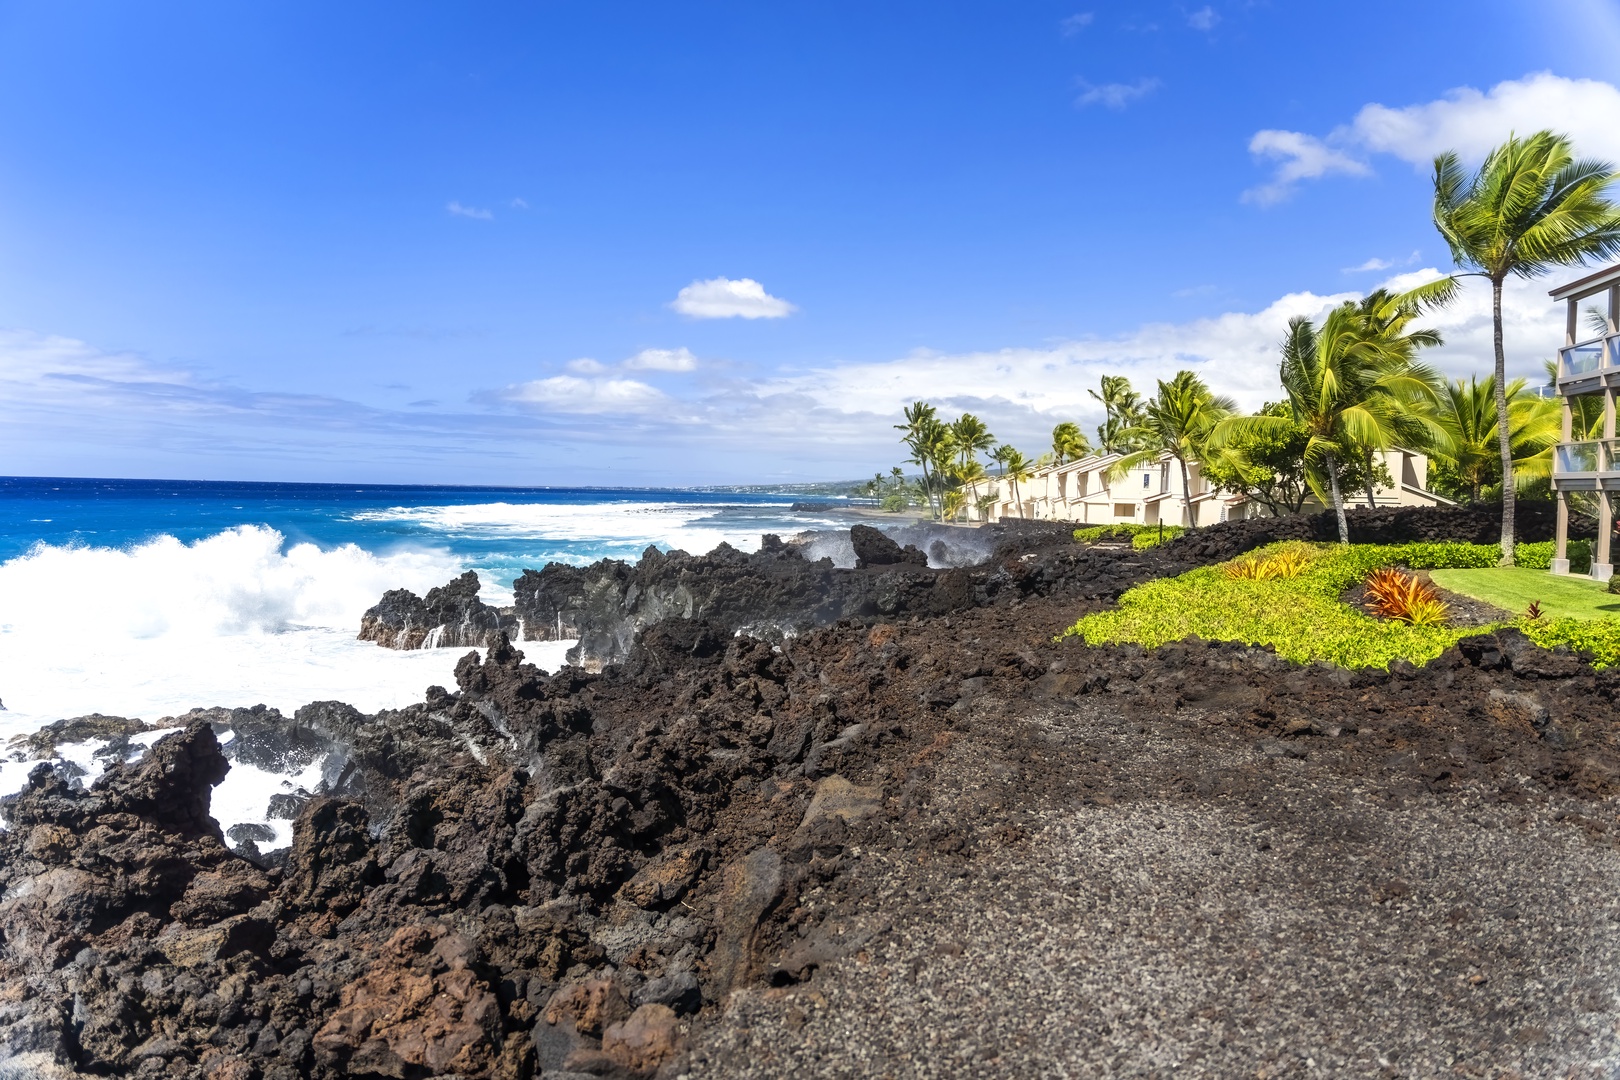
(1588, 364)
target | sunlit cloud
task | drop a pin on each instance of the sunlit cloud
(1466, 120)
(728, 298)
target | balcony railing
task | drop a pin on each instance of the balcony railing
(1580, 457)
(1586, 358)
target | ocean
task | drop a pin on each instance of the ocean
(145, 598)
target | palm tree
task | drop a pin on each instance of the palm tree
(1000, 455)
(931, 444)
(953, 504)
(1530, 207)
(1069, 443)
(1467, 419)
(1387, 319)
(969, 436)
(919, 430)
(1122, 414)
(1016, 468)
(1345, 390)
(1177, 421)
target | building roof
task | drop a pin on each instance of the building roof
(1581, 288)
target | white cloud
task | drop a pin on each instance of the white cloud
(1116, 95)
(1375, 264)
(1236, 351)
(586, 366)
(1471, 122)
(1303, 157)
(1022, 392)
(1204, 18)
(569, 393)
(727, 298)
(477, 213)
(662, 360)
(519, 204)
(1466, 120)
(1077, 22)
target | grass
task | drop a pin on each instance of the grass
(1514, 587)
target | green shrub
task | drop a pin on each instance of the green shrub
(1152, 536)
(1140, 536)
(1598, 637)
(1095, 533)
(1539, 556)
(1302, 617)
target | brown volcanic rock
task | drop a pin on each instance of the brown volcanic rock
(451, 616)
(133, 869)
(419, 1010)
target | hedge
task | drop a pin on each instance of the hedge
(1539, 556)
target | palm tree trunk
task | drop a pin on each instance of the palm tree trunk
(1503, 436)
(1186, 492)
(1372, 498)
(1338, 498)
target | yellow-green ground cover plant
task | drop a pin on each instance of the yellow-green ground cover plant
(1304, 618)
(1140, 536)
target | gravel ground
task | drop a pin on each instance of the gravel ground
(1266, 918)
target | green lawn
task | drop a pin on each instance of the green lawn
(1513, 587)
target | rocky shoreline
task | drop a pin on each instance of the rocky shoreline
(915, 836)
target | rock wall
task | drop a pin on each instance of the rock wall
(1481, 524)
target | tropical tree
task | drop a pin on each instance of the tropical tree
(1346, 391)
(953, 503)
(1266, 466)
(1531, 207)
(921, 433)
(1017, 469)
(1122, 415)
(969, 436)
(1467, 420)
(1069, 443)
(1000, 455)
(933, 448)
(1387, 324)
(1177, 421)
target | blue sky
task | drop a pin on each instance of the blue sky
(412, 242)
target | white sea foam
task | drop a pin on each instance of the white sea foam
(233, 620)
(628, 524)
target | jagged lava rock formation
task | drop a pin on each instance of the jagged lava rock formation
(451, 617)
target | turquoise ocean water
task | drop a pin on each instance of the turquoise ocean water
(147, 598)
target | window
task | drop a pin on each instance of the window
(1124, 509)
(1147, 480)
